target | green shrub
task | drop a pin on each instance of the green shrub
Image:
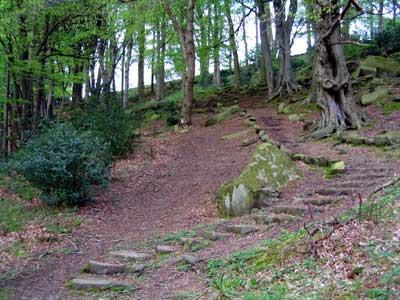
(64, 163)
(389, 39)
(112, 124)
(170, 107)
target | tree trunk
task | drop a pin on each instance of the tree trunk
(186, 40)
(217, 45)
(142, 48)
(160, 64)
(127, 71)
(334, 92)
(283, 24)
(380, 15)
(266, 48)
(6, 112)
(77, 85)
(232, 43)
(246, 50)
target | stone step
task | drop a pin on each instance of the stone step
(214, 236)
(353, 184)
(131, 255)
(335, 192)
(185, 258)
(101, 268)
(371, 169)
(273, 218)
(319, 201)
(371, 177)
(290, 210)
(190, 244)
(96, 283)
(240, 229)
(164, 249)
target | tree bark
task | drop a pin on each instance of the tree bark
(128, 60)
(334, 92)
(246, 50)
(186, 40)
(232, 43)
(6, 109)
(160, 64)
(216, 44)
(142, 48)
(266, 48)
(283, 25)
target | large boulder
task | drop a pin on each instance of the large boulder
(269, 170)
(379, 66)
(380, 94)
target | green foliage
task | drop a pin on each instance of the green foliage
(389, 39)
(111, 124)
(64, 163)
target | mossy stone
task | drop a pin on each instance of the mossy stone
(380, 94)
(269, 167)
(225, 114)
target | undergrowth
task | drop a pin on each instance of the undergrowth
(358, 259)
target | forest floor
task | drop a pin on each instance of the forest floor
(166, 190)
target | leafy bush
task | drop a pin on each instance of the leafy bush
(64, 163)
(112, 124)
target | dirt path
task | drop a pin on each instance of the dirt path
(169, 184)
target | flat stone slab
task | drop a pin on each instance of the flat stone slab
(240, 229)
(163, 249)
(135, 268)
(102, 268)
(93, 283)
(290, 210)
(131, 255)
(214, 236)
(189, 259)
(320, 201)
(273, 218)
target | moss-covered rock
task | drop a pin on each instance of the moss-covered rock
(380, 94)
(335, 168)
(235, 135)
(269, 168)
(387, 139)
(379, 66)
(222, 116)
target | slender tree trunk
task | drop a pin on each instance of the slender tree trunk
(77, 85)
(246, 50)
(232, 43)
(217, 44)
(160, 65)
(334, 92)
(266, 49)
(128, 60)
(142, 48)
(380, 15)
(6, 109)
(257, 58)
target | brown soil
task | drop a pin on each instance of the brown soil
(169, 185)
